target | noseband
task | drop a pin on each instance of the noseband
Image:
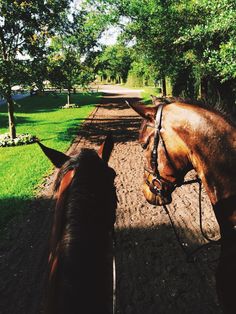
(158, 183)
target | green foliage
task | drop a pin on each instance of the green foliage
(146, 92)
(141, 73)
(190, 41)
(114, 62)
(64, 69)
(25, 26)
(212, 38)
(86, 28)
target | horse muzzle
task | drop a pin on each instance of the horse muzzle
(157, 192)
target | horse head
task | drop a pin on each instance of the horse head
(90, 166)
(166, 161)
(58, 159)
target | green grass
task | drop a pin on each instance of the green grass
(24, 167)
(147, 92)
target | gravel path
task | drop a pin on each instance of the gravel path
(153, 275)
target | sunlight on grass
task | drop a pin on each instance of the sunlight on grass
(24, 167)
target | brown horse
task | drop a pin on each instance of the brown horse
(178, 137)
(80, 260)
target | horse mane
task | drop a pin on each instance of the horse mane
(197, 103)
(171, 99)
(83, 160)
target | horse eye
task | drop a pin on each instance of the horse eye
(145, 145)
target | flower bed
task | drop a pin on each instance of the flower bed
(70, 106)
(21, 139)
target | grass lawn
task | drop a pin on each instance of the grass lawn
(147, 92)
(24, 167)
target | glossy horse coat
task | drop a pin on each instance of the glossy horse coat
(195, 137)
(80, 260)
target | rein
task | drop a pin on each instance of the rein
(159, 180)
(190, 256)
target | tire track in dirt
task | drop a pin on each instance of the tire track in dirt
(152, 273)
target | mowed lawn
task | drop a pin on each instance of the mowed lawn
(23, 168)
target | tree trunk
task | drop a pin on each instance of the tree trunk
(11, 118)
(10, 104)
(203, 89)
(69, 97)
(163, 86)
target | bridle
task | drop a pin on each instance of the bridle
(157, 184)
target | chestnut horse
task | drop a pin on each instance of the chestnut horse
(177, 137)
(80, 260)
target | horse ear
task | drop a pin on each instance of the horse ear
(144, 111)
(57, 158)
(153, 98)
(156, 100)
(106, 148)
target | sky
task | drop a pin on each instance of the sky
(110, 36)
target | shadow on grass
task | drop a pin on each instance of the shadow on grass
(52, 103)
(40, 104)
(152, 273)
(19, 120)
(49, 103)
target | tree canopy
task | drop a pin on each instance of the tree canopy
(114, 62)
(190, 41)
(25, 27)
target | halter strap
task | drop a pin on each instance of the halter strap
(154, 158)
(157, 137)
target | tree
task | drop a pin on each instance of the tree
(72, 60)
(192, 42)
(212, 46)
(25, 27)
(65, 70)
(114, 62)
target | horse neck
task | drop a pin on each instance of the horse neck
(207, 141)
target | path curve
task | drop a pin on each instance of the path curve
(152, 273)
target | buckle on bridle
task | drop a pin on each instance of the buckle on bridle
(158, 181)
(156, 186)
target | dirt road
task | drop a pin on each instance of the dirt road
(153, 275)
